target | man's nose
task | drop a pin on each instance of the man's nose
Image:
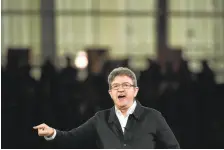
(120, 88)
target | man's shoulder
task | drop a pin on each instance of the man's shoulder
(151, 111)
(102, 113)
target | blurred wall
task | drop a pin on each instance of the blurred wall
(128, 27)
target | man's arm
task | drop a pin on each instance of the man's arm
(84, 132)
(74, 136)
(165, 136)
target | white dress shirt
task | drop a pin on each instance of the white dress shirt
(122, 119)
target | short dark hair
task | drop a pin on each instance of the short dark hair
(121, 71)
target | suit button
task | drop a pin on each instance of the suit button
(125, 144)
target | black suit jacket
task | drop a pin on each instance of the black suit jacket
(146, 128)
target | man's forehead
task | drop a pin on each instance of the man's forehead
(122, 79)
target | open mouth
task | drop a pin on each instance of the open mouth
(121, 97)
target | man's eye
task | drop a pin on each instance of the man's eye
(125, 85)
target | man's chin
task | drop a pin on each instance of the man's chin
(123, 104)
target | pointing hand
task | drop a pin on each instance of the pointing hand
(44, 130)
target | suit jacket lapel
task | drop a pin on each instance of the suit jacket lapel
(114, 123)
(133, 122)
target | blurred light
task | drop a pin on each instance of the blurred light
(81, 60)
(195, 66)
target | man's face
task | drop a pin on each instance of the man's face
(123, 91)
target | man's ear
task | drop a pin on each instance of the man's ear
(136, 91)
(109, 91)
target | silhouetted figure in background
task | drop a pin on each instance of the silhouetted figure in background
(206, 76)
(47, 92)
(184, 74)
(27, 106)
(97, 90)
(69, 95)
(11, 105)
(149, 81)
(186, 106)
(207, 101)
(167, 102)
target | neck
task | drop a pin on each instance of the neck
(124, 111)
(125, 108)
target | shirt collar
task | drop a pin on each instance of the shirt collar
(137, 112)
(130, 110)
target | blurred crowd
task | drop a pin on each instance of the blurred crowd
(192, 104)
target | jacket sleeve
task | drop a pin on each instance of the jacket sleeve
(76, 136)
(164, 135)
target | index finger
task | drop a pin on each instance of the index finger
(39, 126)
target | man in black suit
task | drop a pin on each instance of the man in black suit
(126, 125)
